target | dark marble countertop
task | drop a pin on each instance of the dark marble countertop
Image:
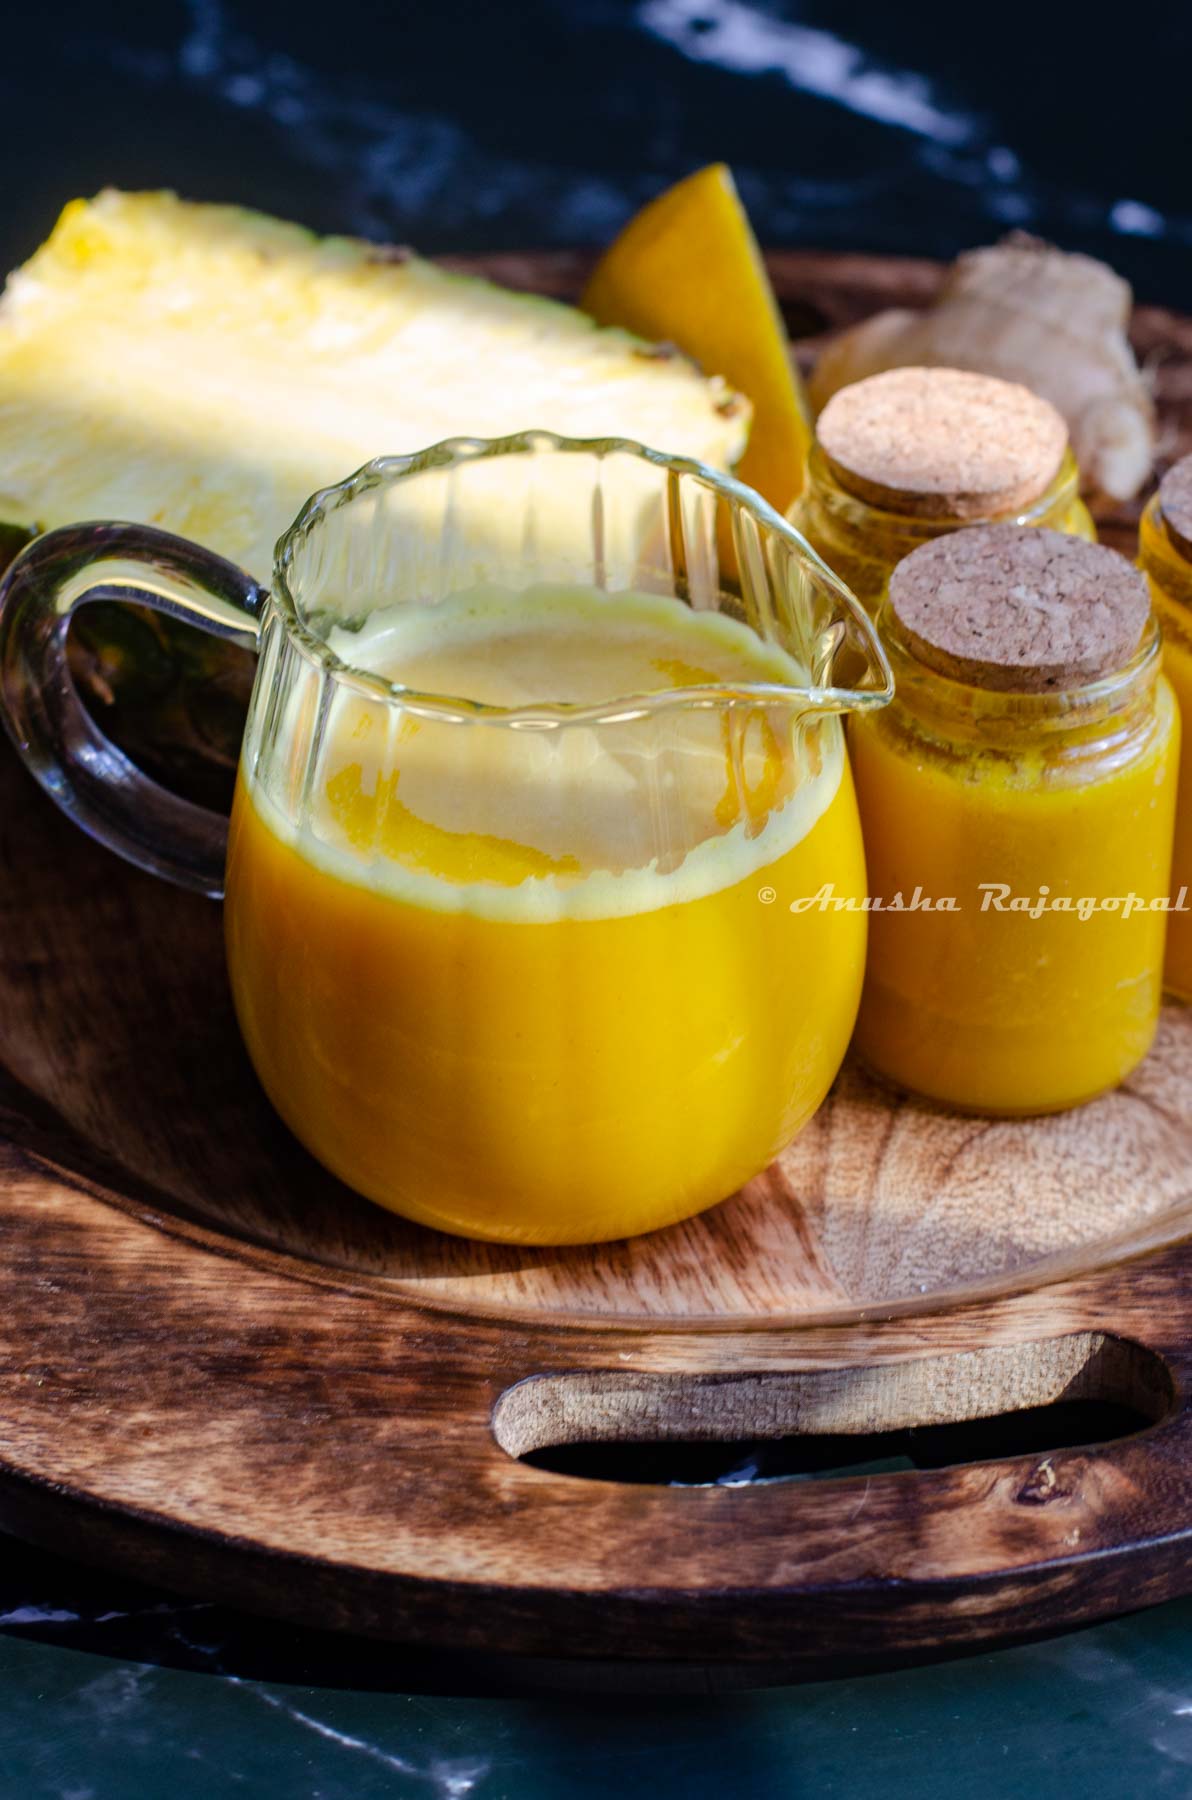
(109, 1691)
(475, 126)
(466, 125)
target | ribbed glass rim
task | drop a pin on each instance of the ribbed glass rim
(384, 471)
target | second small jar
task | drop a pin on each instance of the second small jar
(1165, 553)
(911, 455)
(1017, 801)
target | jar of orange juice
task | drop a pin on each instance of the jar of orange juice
(1018, 804)
(1165, 553)
(907, 456)
(525, 769)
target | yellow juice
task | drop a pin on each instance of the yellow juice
(1177, 665)
(1169, 572)
(543, 983)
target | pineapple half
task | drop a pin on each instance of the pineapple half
(205, 369)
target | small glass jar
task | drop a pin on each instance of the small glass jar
(1019, 850)
(863, 542)
(1165, 557)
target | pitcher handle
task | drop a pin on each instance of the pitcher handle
(93, 782)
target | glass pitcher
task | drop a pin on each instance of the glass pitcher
(544, 882)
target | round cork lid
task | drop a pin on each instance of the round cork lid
(942, 443)
(1019, 608)
(1175, 503)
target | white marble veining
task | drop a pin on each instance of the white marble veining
(409, 169)
(743, 38)
(958, 146)
(451, 1780)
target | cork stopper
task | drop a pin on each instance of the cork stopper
(943, 443)
(1175, 504)
(1020, 609)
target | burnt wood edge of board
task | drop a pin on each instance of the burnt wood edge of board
(947, 1558)
(798, 1629)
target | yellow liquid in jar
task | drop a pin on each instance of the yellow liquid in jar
(1177, 666)
(997, 1011)
(1169, 573)
(520, 984)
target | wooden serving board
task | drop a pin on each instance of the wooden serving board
(220, 1369)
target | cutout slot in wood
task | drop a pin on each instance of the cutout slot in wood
(1047, 1395)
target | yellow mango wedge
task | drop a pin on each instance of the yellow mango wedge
(687, 270)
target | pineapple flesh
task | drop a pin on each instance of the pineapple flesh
(205, 369)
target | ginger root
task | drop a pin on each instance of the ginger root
(1022, 310)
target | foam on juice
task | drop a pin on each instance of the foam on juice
(574, 816)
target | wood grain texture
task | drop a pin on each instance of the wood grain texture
(220, 1368)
